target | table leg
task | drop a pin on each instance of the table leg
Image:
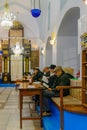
(21, 98)
(41, 109)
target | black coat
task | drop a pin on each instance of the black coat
(51, 80)
(38, 76)
(63, 80)
(47, 74)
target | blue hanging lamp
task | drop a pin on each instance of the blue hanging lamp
(35, 11)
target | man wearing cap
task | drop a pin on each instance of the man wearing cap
(48, 80)
(52, 75)
(51, 68)
(63, 79)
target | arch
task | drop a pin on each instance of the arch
(69, 22)
(67, 37)
(69, 4)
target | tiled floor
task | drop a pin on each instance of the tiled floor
(9, 112)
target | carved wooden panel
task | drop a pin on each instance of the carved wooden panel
(26, 65)
(27, 50)
(34, 58)
(0, 63)
(6, 60)
(15, 36)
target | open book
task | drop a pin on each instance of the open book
(31, 86)
(45, 79)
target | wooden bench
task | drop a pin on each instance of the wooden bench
(68, 103)
(68, 113)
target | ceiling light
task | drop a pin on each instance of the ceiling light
(85, 2)
(53, 38)
(7, 18)
(17, 49)
(52, 42)
(43, 51)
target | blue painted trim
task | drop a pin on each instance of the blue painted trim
(6, 85)
(72, 121)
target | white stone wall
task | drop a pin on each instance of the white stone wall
(16, 67)
(72, 44)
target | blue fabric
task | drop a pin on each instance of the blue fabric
(50, 123)
(7, 85)
(72, 121)
(54, 110)
(0, 81)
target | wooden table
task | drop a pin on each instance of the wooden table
(30, 90)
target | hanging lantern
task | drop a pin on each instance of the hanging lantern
(35, 11)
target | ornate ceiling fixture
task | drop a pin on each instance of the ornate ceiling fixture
(7, 18)
(17, 49)
(53, 38)
(35, 11)
(85, 2)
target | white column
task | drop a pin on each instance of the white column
(54, 53)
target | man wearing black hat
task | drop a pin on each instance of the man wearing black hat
(51, 68)
(52, 75)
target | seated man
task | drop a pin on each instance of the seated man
(63, 79)
(51, 69)
(46, 72)
(49, 80)
(37, 76)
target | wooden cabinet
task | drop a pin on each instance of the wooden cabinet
(0, 63)
(16, 35)
(34, 58)
(84, 77)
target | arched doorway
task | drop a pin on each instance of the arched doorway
(67, 47)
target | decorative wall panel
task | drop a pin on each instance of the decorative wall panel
(34, 58)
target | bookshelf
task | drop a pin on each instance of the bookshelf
(84, 77)
(84, 68)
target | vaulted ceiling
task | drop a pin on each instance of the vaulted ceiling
(21, 8)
